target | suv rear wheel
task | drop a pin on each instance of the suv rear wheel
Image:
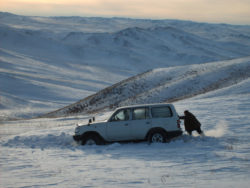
(157, 137)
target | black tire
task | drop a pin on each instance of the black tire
(157, 137)
(92, 140)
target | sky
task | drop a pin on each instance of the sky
(213, 11)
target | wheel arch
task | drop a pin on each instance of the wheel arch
(91, 133)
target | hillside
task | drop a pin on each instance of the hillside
(163, 85)
(47, 63)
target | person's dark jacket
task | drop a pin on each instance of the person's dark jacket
(190, 121)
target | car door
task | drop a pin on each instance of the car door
(118, 127)
(141, 122)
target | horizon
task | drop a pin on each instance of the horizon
(132, 18)
(209, 11)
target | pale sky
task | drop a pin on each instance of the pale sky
(216, 11)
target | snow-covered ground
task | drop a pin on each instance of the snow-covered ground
(48, 63)
(42, 153)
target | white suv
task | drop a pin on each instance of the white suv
(152, 122)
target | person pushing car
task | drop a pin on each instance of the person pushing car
(191, 123)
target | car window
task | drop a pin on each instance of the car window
(140, 113)
(161, 112)
(121, 115)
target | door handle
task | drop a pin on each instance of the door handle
(147, 122)
(126, 124)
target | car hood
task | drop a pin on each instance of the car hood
(93, 124)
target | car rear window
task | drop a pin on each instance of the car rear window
(161, 112)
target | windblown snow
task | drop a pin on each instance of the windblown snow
(50, 63)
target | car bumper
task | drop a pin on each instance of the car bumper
(77, 137)
(174, 134)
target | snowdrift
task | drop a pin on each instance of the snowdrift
(163, 85)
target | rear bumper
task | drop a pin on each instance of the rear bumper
(174, 134)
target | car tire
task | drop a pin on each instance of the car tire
(92, 140)
(158, 137)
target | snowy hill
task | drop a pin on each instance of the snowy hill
(163, 85)
(47, 63)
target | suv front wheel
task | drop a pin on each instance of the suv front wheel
(92, 140)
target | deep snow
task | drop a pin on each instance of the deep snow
(42, 153)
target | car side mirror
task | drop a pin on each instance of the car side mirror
(90, 121)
